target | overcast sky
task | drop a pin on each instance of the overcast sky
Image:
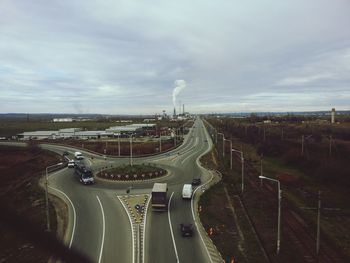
(125, 57)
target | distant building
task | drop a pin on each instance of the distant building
(62, 120)
(137, 129)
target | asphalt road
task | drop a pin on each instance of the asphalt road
(98, 224)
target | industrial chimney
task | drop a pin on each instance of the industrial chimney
(333, 116)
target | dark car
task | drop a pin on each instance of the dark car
(65, 153)
(196, 181)
(186, 230)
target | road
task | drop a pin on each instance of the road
(100, 228)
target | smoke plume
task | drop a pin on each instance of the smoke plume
(180, 84)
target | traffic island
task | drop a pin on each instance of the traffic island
(132, 173)
(136, 207)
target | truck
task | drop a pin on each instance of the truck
(78, 155)
(159, 197)
(83, 173)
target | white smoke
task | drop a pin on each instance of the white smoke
(180, 84)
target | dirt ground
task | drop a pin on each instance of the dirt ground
(229, 229)
(20, 170)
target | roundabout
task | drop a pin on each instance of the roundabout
(132, 173)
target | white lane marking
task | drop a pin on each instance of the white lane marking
(132, 229)
(188, 157)
(74, 214)
(88, 160)
(103, 229)
(194, 219)
(171, 228)
(144, 230)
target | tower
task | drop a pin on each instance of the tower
(333, 116)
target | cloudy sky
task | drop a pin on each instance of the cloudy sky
(126, 57)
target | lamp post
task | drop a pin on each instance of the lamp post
(230, 152)
(242, 168)
(118, 144)
(160, 141)
(223, 142)
(131, 149)
(279, 211)
(48, 227)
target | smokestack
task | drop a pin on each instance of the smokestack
(183, 109)
(174, 112)
(333, 116)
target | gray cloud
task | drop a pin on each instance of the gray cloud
(124, 56)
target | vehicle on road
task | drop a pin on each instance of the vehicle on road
(71, 164)
(186, 230)
(159, 197)
(83, 173)
(65, 153)
(78, 155)
(196, 181)
(187, 191)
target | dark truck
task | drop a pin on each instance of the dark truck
(159, 197)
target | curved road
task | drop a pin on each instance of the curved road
(100, 228)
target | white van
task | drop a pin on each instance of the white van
(78, 155)
(187, 191)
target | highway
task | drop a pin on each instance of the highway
(99, 226)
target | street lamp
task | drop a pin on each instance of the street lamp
(242, 162)
(223, 142)
(230, 153)
(47, 196)
(131, 148)
(279, 211)
(118, 144)
(160, 141)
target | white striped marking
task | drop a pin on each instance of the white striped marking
(132, 229)
(171, 228)
(103, 229)
(74, 214)
(144, 230)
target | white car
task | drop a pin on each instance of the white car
(71, 164)
(187, 191)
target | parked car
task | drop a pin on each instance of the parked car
(196, 181)
(186, 230)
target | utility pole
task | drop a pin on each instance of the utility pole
(160, 141)
(318, 223)
(131, 150)
(261, 169)
(282, 134)
(118, 144)
(302, 145)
